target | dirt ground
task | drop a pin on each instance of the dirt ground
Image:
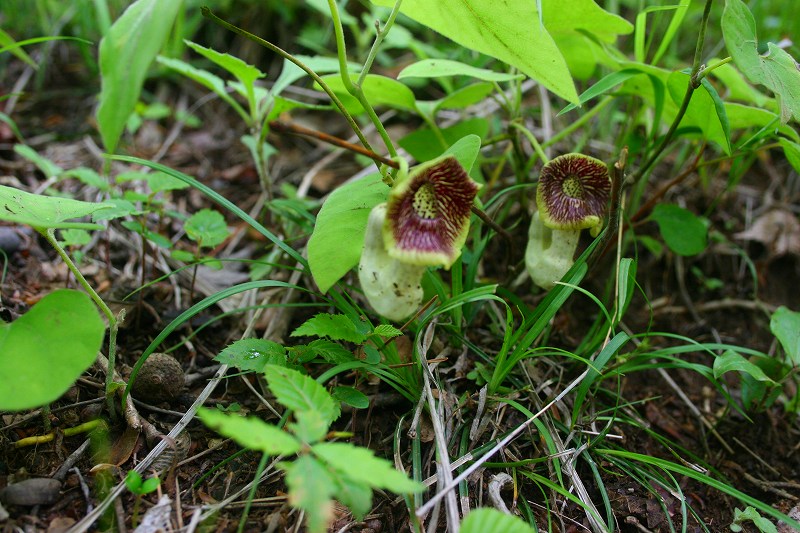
(758, 453)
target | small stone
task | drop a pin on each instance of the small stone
(34, 491)
(160, 379)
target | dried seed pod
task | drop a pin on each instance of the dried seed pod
(160, 379)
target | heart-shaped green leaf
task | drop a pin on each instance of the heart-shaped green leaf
(44, 351)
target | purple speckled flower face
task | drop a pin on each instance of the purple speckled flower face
(428, 212)
(573, 192)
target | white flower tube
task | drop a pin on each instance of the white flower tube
(392, 287)
(550, 252)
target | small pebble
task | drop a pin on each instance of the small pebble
(34, 491)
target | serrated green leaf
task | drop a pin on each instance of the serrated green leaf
(486, 520)
(731, 361)
(387, 330)
(350, 396)
(684, 233)
(300, 393)
(379, 91)
(250, 432)
(776, 70)
(331, 352)
(785, 325)
(126, 52)
(310, 489)
(309, 426)
(438, 68)
(252, 354)
(45, 212)
(335, 327)
(45, 350)
(74, 237)
(513, 34)
(338, 238)
(356, 496)
(361, 465)
(207, 228)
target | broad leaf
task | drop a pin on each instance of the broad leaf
(45, 350)
(776, 69)
(252, 354)
(206, 79)
(125, 54)
(330, 351)
(731, 361)
(338, 237)
(583, 16)
(300, 393)
(785, 325)
(45, 212)
(512, 33)
(465, 97)
(356, 496)
(207, 228)
(336, 327)
(379, 91)
(309, 426)
(424, 144)
(792, 152)
(437, 68)
(250, 432)
(487, 520)
(48, 168)
(246, 74)
(706, 110)
(684, 233)
(361, 465)
(350, 396)
(310, 489)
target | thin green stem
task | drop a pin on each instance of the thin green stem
(355, 88)
(380, 34)
(579, 122)
(702, 74)
(305, 68)
(50, 235)
(532, 139)
(694, 82)
(252, 493)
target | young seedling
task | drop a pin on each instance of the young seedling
(139, 487)
(572, 195)
(424, 223)
(207, 229)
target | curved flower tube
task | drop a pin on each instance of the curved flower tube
(427, 215)
(572, 195)
(392, 287)
(550, 252)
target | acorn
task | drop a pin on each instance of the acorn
(160, 379)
